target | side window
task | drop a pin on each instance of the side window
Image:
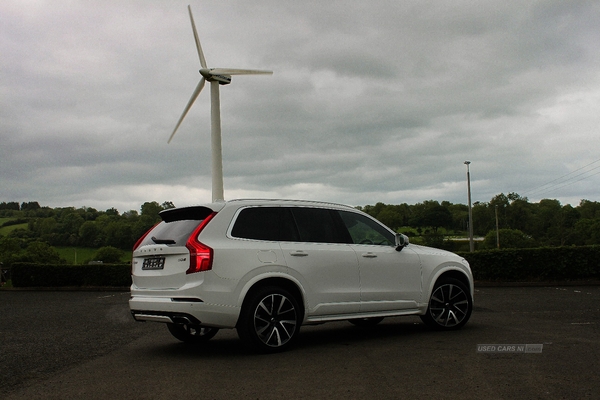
(364, 230)
(318, 225)
(265, 223)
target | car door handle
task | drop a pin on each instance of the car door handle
(369, 255)
(298, 253)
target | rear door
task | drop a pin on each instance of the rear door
(325, 261)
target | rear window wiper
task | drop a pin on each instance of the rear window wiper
(162, 241)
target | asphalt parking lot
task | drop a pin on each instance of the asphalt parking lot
(72, 345)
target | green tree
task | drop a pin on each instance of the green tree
(36, 252)
(589, 209)
(509, 239)
(151, 208)
(119, 234)
(460, 215)
(89, 234)
(431, 214)
(109, 255)
(10, 249)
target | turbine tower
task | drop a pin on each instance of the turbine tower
(216, 77)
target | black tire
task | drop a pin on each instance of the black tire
(192, 333)
(450, 305)
(366, 322)
(270, 319)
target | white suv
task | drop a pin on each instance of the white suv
(266, 267)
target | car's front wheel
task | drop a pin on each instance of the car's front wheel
(450, 305)
(270, 319)
(191, 333)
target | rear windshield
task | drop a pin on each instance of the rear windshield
(174, 233)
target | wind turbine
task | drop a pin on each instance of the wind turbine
(216, 77)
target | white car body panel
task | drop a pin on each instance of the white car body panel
(331, 276)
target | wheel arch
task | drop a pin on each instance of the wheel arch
(454, 273)
(278, 281)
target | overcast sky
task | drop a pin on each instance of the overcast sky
(370, 101)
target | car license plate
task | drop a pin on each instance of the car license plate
(154, 263)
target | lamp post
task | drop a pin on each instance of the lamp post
(471, 244)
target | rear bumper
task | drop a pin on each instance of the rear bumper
(178, 310)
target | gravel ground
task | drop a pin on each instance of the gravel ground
(73, 345)
(44, 332)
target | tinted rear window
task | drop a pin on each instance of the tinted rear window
(319, 225)
(291, 224)
(265, 223)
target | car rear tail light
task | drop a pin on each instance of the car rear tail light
(201, 256)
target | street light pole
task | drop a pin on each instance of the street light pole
(471, 244)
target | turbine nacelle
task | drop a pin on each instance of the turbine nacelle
(223, 75)
(210, 76)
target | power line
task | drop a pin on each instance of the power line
(565, 180)
(570, 183)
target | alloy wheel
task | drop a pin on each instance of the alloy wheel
(275, 320)
(449, 305)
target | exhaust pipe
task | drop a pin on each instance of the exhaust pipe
(179, 319)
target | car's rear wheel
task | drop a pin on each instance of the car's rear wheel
(450, 305)
(270, 319)
(192, 333)
(366, 322)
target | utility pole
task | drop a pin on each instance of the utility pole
(471, 244)
(497, 231)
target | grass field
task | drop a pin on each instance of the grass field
(5, 230)
(80, 255)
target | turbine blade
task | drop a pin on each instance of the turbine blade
(189, 105)
(197, 39)
(231, 71)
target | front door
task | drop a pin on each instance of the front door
(389, 279)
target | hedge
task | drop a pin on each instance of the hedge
(535, 265)
(63, 275)
(505, 265)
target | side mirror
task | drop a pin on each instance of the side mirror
(401, 241)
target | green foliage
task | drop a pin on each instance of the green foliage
(547, 223)
(83, 227)
(510, 265)
(509, 239)
(531, 265)
(541, 264)
(61, 275)
(109, 255)
(14, 250)
(6, 230)
(13, 205)
(430, 214)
